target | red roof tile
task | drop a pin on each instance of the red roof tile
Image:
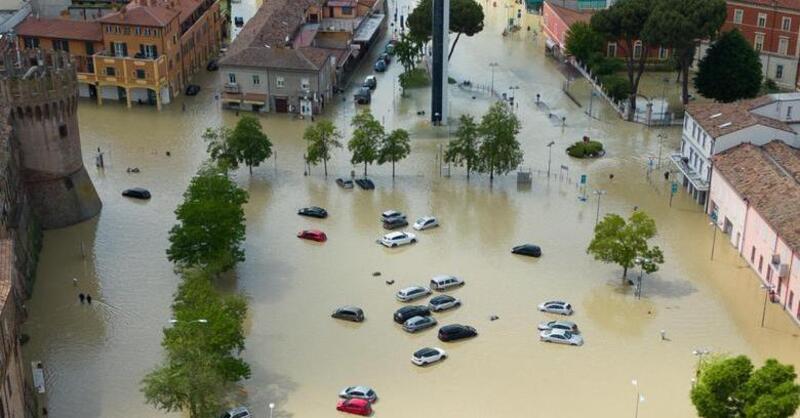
(720, 119)
(570, 16)
(80, 30)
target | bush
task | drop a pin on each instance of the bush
(451, 80)
(617, 87)
(603, 66)
(415, 78)
(585, 149)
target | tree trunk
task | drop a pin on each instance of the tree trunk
(453, 47)
(325, 164)
(251, 169)
(491, 176)
(365, 169)
(685, 85)
(624, 274)
(392, 169)
(467, 171)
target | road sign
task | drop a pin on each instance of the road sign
(674, 187)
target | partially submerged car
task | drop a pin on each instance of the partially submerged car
(355, 406)
(456, 332)
(312, 235)
(425, 222)
(349, 313)
(359, 392)
(529, 250)
(137, 193)
(412, 293)
(363, 95)
(556, 306)
(394, 223)
(343, 183)
(560, 336)
(370, 82)
(314, 212)
(443, 303)
(428, 355)
(396, 239)
(365, 184)
(407, 312)
(565, 325)
(442, 283)
(239, 412)
(418, 323)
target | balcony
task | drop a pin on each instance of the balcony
(104, 68)
(233, 88)
(698, 181)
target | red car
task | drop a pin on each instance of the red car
(355, 406)
(313, 235)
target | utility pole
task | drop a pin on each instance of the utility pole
(549, 157)
(599, 194)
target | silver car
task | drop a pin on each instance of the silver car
(443, 303)
(359, 392)
(560, 336)
(425, 222)
(418, 323)
(240, 412)
(556, 306)
(565, 325)
(412, 293)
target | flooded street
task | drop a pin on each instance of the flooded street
(95, 356)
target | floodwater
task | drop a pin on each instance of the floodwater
(95, 356)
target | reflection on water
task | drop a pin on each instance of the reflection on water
(96, 355)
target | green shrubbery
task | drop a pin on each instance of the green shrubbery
(415, 78)
(585, 149)
(617, 87)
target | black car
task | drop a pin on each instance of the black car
(238, 21)
(314, 212)
(363, 96)
(137, 193)
(192, 90)
(386, 58)
(212, 65)
(396, 222)
(456, 332)
(365, 184)
(407, 312)
(527, 249)
(349, 313)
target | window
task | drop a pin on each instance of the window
(347, 10)
(762, 20)
(138, 31)
(637, 50)
(611, 51)
(120, 49)
(663, 53)
(280, 82)
(304, 84)
(232, 78)
(62, 130)
(760, 262)
(789, 112)
(783, 45)
(779, 71)
(704, 139)
(737, 16)
(791, 299)
(753, 255)
(140, 74)
(786, 24)
(758, 44)
(89, 48)
(769, 277)
(31, 42)
(61, 45)
(256, 79)
(111, 72)
(148, 51)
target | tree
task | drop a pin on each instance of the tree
(729, 387)
(406, 52)
(394, 147)
(249, 143)
(730, 71)
(322, 137)
(499, 151)
(463, 150)
(219, 149)
(367, 136)
(624, 22)
(620, 242)
(211, 224)
(583, 41)
(466, 17)
(680, 25)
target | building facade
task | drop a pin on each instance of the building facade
(773, 28)
(749, 201)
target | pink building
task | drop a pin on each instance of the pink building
(556, 21)
(754, 198)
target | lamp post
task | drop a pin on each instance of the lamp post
(699, 353)
(664, 99)
(549, 157)
(661, 138)
(591, 101)
(599, 194)
(639, 397)
(492, 65)
(714, 239)
(512, 95)
(641, 261)
(271, 407)
(768, 288)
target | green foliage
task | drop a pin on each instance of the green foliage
(367, 136)
(219, 149)
(585, 149)
(211, 224)
(321, 137)
(406, 51)
(729, 387)
(616, 86)
(583, 42)
(415, 78)
(603, 66)
(620, 242)
(730, 71)
(466, 17)
(499, 151)
(394, 147)
(770, 87)
(463, 150)
(249, 143)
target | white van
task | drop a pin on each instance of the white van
(442, 283)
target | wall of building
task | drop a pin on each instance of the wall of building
(756, 134)
(730, 209)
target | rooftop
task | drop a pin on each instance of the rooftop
(785, 4)
(570, 16)
(769, 178)
(156, 13)
(720, 119)
(60, 28)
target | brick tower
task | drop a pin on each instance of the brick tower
(40, 88)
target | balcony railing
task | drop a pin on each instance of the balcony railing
(105, 68)
(695, 178)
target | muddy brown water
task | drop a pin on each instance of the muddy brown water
(95, 356)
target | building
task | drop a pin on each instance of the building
(773, 28)
(15, 389)
(754, 194)
(145, 53)
(711, 128)
(290, 55)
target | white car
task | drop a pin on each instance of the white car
(557, 307)
(359, 392)
(565, 325)
(240, 412)
(428, 355)
(442, 283)
(443, 303)
(425, 222)
(412, 293)
(396, 239)
(560, 336)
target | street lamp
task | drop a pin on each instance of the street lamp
(768, 288)
(199, 321)
(271, 407)
(549, 157)
(699, 353)
(492, 65)
(641, 261)
(599, 194)
(639, 397)
(512, 95)
(714, 239)
(661, 138)
(591, 100)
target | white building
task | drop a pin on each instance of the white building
(711, 128)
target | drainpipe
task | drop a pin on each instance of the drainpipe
(788, 281)
(744, 228)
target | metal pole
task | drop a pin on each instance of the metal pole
(660, 139)
(764, 309)
(714, 242)
(549, 160)
(591, 100)
(636, 415)
(597, 216)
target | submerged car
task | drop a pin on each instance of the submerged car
(365, 184)
(428, 355)
(443, 303)
(556, 306)
(386, 58)
(418, 323)
(396, 239)
(363, 95)
(359, 392)
(370, 82)
(238, 21)
(192, 90)
(527, 249)
(407, 312)
(313, 212)
(312, 235)
(349, 313)
(394, 223)
(560, 336)
(426, 222)
(456, 332)
(391, 214)
(442, 283)
(212, 65)
(137, 193)
(380, 65)
(412, 293)
(565, 325)
(355, 406)
(346, 184)
(240, 412)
